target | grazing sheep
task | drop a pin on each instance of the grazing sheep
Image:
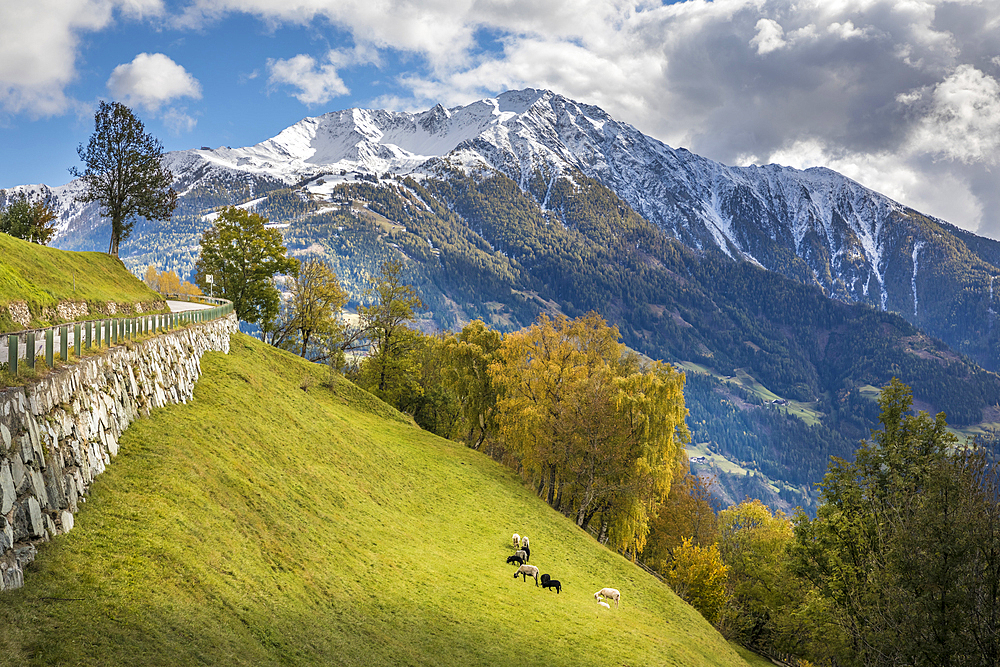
(524, 542)
(604, 604)
(527, 571)
(515, 559)
(549, 582)
(527, 552)
(522, 554)
(517, 540)
(609, 593)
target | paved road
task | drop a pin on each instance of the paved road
(181, 306)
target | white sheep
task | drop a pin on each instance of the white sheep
(609, 593)
(517, 541)
(604, 604)
(527, 571)
(524, 542)
(522, 554)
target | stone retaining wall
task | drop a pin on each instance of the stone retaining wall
(61, 432)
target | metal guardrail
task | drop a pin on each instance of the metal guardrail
(30, 345)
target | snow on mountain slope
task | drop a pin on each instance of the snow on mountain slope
(371, 141)
(815, 226)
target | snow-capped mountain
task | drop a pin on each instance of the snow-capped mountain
(815, 226)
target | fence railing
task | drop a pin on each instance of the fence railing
(27, 348)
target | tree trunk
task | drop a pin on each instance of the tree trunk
(603, 537)
(552, 484)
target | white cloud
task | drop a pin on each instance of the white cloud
(317, 84)
(151, 80)
(962, 121)
(39, 41)
(770, 36)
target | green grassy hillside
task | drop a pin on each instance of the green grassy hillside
(43, 277)
(274, 520)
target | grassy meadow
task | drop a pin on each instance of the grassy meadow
(43, 276)
(276, 520)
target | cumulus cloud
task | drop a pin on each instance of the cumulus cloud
(152, 80)
(39, 44)
(317, 83)
(961, 120)
(770, 36)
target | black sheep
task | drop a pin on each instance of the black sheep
(515, 559)
(527, 553)
(549, 582)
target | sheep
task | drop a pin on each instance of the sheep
(609, 593)
(522, 554)
(524, 542)
(549, 582)
(515, 559)
(527, 571)
(604, 604)
(526, 551)
(517, 540)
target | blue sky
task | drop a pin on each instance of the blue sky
(902, 96)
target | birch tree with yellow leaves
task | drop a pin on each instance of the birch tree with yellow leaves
(598, 433)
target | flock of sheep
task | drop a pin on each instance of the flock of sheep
(520, 558)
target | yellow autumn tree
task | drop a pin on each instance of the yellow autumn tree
(152, 278)
(168, 282)
(764, 593)
(686, 513)
(598, 434)
(469, 354)
(698, 575)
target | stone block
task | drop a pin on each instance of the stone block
(36, 527)
(55, 492)
(27, 451)
(66, 519)
(25, 555)
(38, 490)
(11, 578)
(6, 535)
(71, 485)
(17, 472)
(8, 493)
